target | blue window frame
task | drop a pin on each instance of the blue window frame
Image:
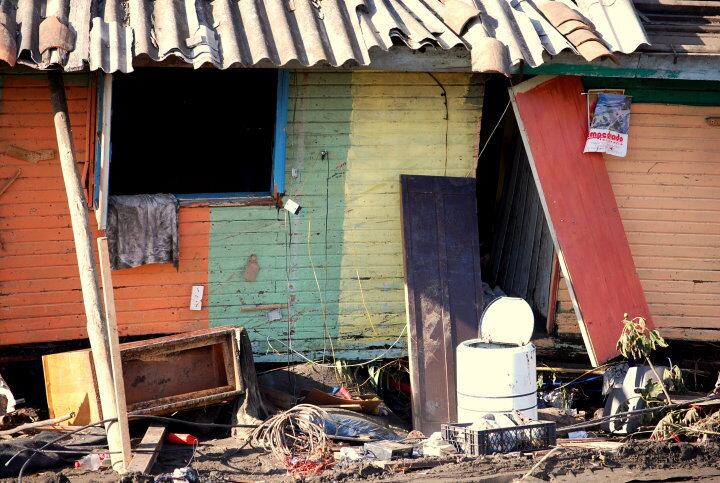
(277, 177)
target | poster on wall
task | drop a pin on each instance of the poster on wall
(609, 125)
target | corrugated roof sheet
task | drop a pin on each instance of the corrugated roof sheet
(681, 26)
(110, 34)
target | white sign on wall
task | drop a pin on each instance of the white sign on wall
(196, 297)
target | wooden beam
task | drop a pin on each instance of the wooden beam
(251, 308)
(150, 445)
(114, 346)
(86, 263)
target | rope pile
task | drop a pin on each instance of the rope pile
(296, 438)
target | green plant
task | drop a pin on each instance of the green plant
(637, 341)
(675, 378)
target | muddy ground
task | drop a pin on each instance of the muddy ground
(221, 461)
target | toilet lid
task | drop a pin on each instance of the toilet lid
(507, 320)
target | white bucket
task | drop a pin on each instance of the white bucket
(495, 378)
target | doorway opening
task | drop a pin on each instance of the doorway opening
(516, 248)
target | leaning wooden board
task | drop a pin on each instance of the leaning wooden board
(443, 288)
(582, 213)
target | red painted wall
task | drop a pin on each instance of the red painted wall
(582, 211)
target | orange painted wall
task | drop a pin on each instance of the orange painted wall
(40, 298)
(668, 193)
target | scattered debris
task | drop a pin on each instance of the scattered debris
(436, 446)
(388, 450)
(182, 438)
(33, 425)
(7, 400)
(297, 439)
(179, 475)
(93, 461)
(365, 404)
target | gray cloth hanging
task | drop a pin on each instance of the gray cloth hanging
(142, 229)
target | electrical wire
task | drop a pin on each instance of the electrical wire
(326, 155)
(53, 441)
(288, 243)
(113, 420)
(359, 364)
(487, 141)
(597, 421)
(446, 117)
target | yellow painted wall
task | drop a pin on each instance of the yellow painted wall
(668, 193)
(339, 262)
(398, 126)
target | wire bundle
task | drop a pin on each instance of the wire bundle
(296, 438)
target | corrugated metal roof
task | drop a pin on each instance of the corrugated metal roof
(681, 26)
(110, 34)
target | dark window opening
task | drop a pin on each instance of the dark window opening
(187, 131)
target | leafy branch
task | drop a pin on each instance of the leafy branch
(637, 341)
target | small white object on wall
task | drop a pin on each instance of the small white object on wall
(292, 206)
(274, 315)
(196, 297)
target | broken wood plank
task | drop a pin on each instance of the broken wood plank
(34, 156)
(36, 424)
(149, 449)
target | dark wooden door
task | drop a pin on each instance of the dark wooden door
(443, 283)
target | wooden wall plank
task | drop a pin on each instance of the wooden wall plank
(374, 127)
(39, 285)
(522, 249)
(672, 227)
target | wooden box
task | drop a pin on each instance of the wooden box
(161, 375)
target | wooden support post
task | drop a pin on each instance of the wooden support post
(150, 445)
(86, 263)
(114, 346)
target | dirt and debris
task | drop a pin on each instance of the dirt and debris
(221, 460)
(19, 417)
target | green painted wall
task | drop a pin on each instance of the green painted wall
(655, 91)
(339, 262)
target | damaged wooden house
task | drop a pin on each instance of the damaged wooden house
(244, 159)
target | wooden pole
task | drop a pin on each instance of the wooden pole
(86, 263)
(114, 342)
